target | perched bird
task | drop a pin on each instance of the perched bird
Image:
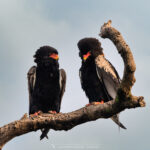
(99, 78)
(46, 84)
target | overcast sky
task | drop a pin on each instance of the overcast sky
(25, 25)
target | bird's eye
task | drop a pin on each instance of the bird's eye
(54, 56)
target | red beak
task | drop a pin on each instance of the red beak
(54, 56)
(86, 56)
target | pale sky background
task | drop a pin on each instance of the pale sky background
(25, 25)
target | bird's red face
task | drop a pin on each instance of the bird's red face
(86, 56)
(54, 56)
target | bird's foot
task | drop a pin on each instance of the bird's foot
(36, 114)
(52, 112)
(95, 103)
(88, 105)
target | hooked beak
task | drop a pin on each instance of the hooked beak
(85, 57)
(54, 56)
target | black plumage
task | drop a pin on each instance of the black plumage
(99, 78)
(46, 83)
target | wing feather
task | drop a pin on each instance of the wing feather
(111, 81)
(31, 75)
(107, 75)
(62, 82)
(80, 75)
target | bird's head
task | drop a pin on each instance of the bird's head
(46, 56)
(89, 48)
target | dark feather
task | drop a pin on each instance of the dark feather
(46, 83)
(115, 118)
(44, 133)
(62, 83)
(99, 79)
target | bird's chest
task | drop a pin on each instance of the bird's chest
(89, 77)
(47, 85)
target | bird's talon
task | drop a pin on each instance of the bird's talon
(36, 114)
(87, 105)
(95, 103)
(32, 116)
(52, 112)
(39, 112)
(102, 102)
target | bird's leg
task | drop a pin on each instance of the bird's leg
(52, 112)
(95, 103)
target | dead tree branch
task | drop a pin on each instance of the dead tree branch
(66, 121)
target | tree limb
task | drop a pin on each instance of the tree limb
(66, 121)
(128, 78)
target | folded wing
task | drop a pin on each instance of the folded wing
(31, 75)
(62, 82)
(108, 76)
(110, 80)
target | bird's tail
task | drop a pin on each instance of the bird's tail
(115, 118)
(44, 133)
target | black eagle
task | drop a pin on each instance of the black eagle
(46, 83)
(99, 78)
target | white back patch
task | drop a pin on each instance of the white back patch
(102, 63)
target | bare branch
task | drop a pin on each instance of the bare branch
(128, 78)
(66, 121)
